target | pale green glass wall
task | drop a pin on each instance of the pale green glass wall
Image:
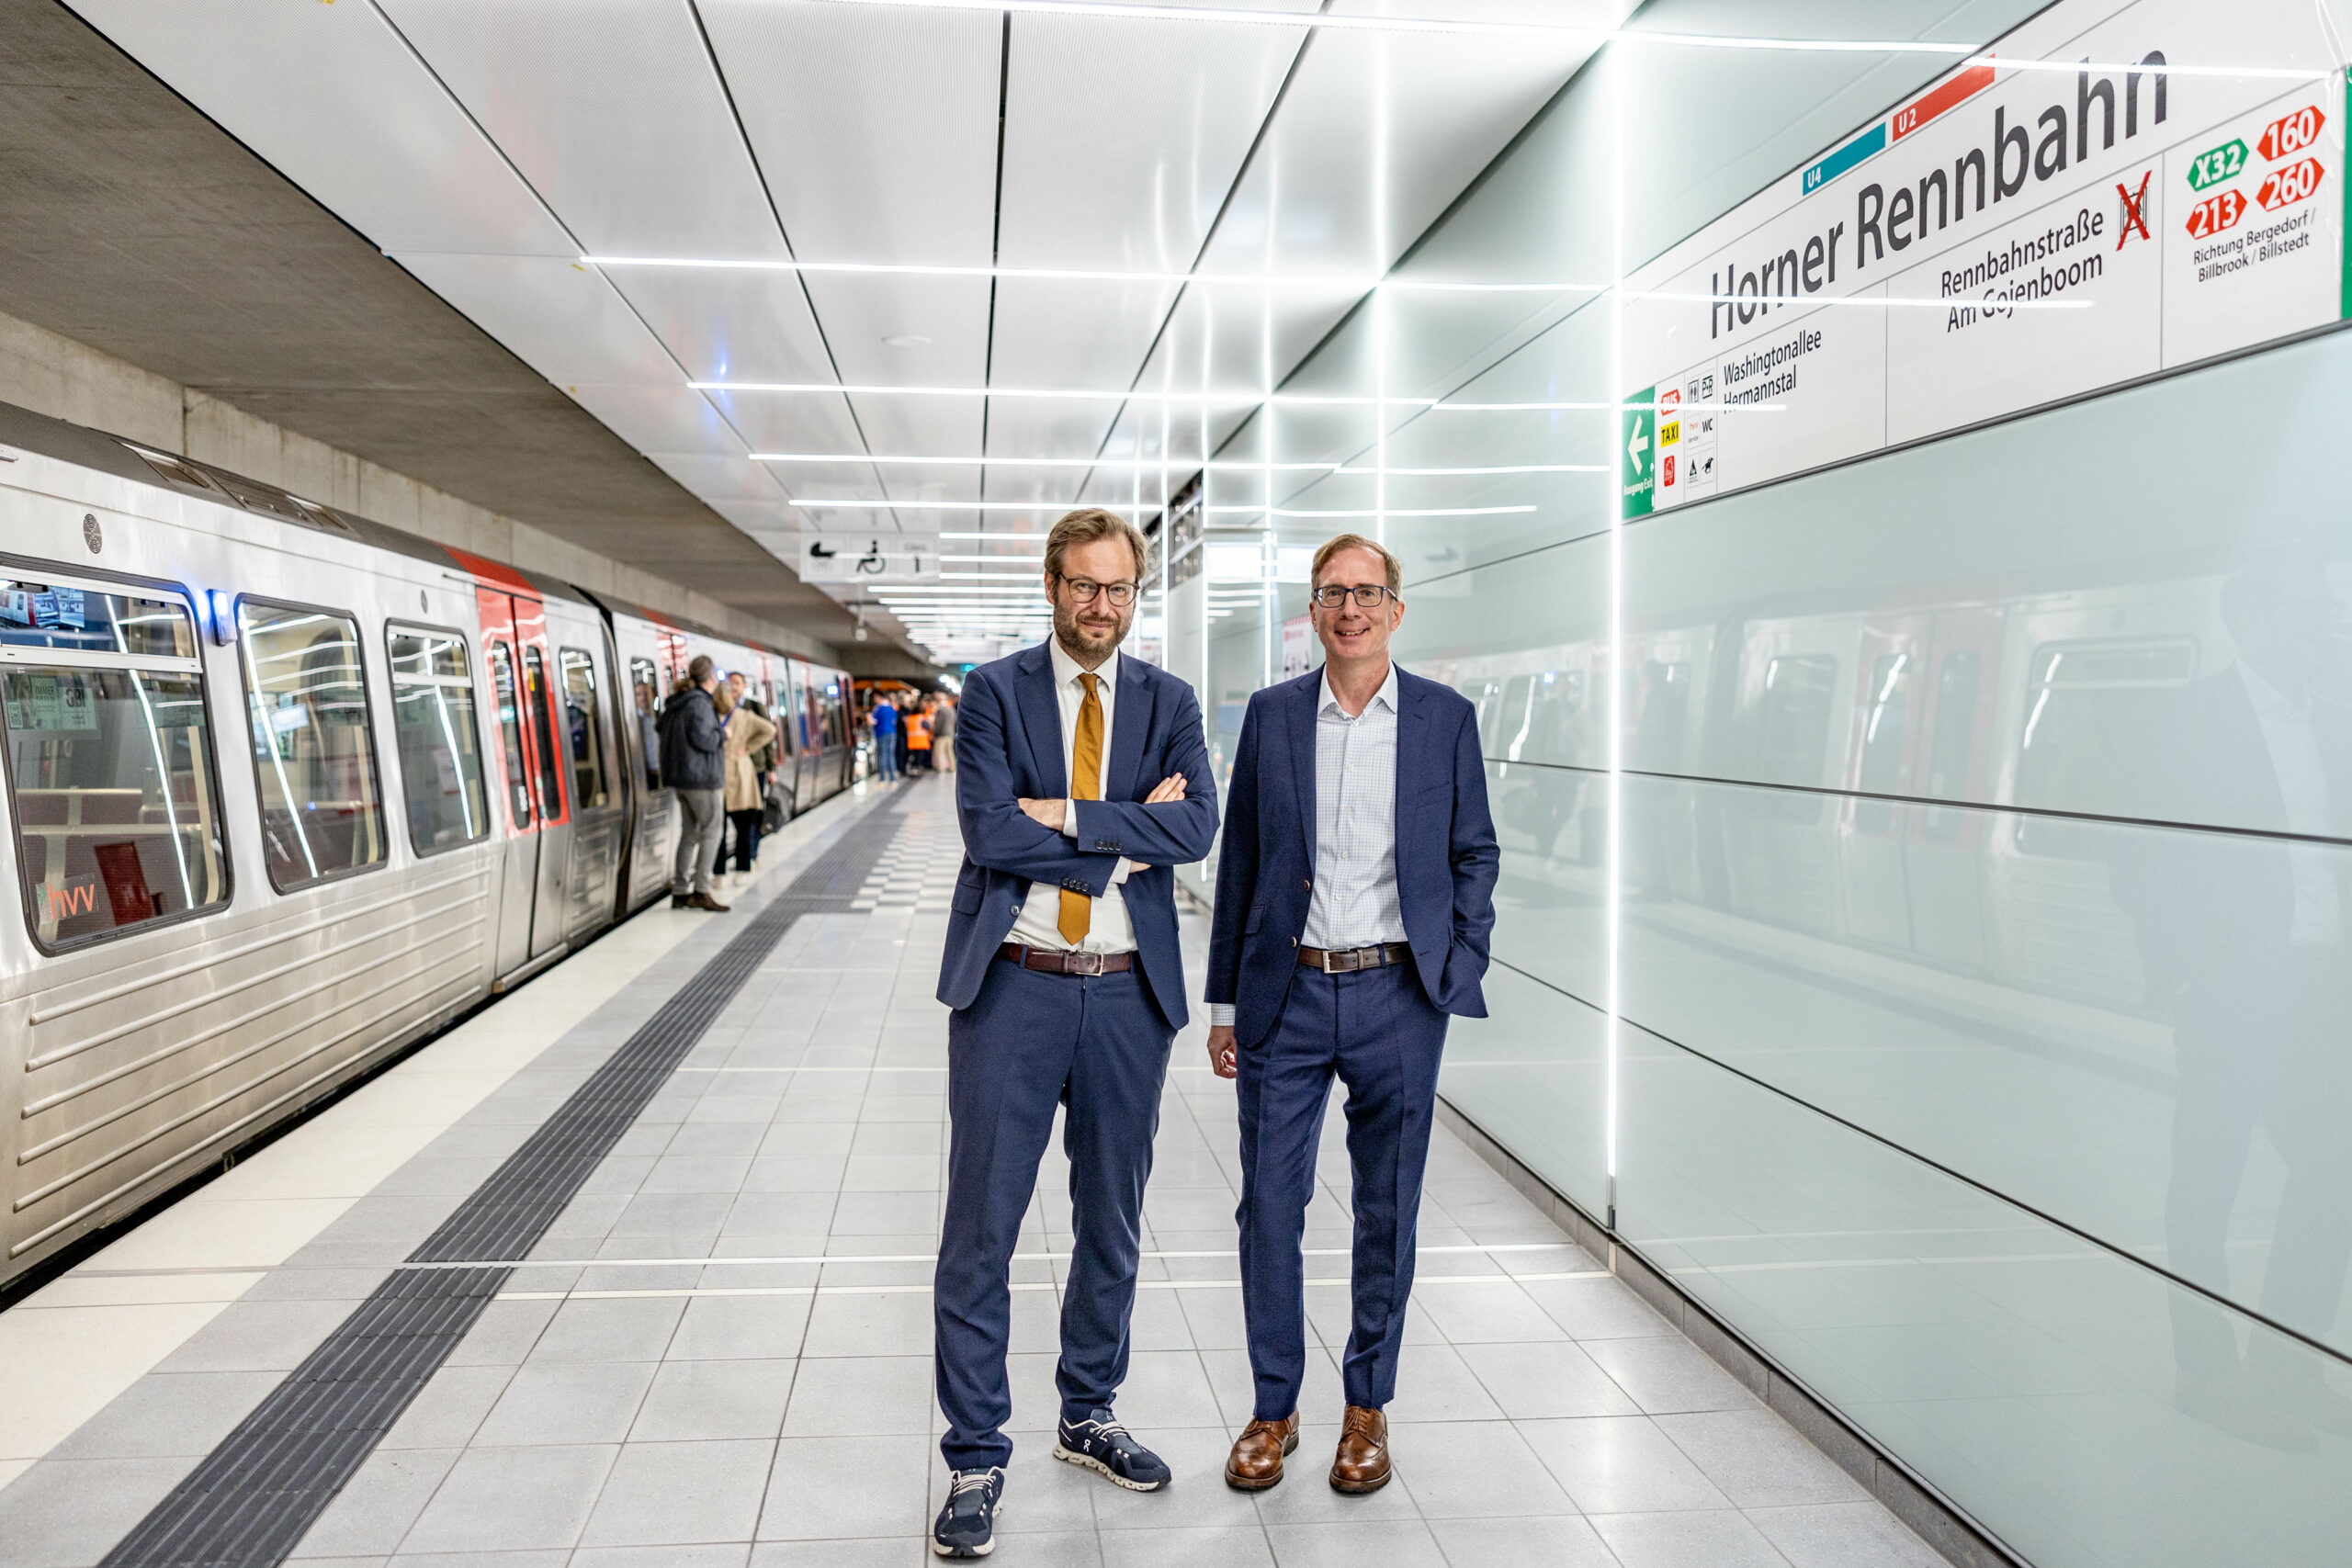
(1958, 1069)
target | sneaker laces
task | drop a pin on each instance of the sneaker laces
(969, 1479)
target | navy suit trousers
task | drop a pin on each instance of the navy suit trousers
(1378, 1032)
(1031, 1042)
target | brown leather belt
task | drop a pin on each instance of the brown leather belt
(1051, 961)
(1346, 960)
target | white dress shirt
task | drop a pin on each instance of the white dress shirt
(2288, 737)
(1355, 902)
(1107, 929)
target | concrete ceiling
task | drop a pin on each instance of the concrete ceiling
(132, 223)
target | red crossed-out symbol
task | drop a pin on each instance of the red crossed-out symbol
(2134, 210)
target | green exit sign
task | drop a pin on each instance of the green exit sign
(2223, 163)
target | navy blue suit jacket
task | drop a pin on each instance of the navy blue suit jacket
(1446, 856)
(1008, 746)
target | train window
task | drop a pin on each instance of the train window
(510, 733)
(645, 688)
(1950, 748)
(1799, 691)
(587, 725)
(433, 719)
(1886, 728)
(110, 758)
(541, 704)
(314, 751)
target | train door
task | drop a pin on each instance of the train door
(521, 664)
(520, 863)
(599, 777)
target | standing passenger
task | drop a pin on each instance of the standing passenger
(885, 740)
(695, 768)
(747, 734)
(1354, 897)
(1085, 780)
(919, 739)
(943, 735)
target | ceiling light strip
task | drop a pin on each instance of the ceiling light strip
(1965, 53)
(1217, 465)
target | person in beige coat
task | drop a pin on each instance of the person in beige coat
(746, 734)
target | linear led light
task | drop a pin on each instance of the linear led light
(1565, 33)
(1249, 511)
(1217, 465)
(1104, 395)
(993, 561)
(1356, 285)
(1376, 511)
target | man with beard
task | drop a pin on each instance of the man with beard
(1084, 780)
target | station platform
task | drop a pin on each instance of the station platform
(630, 1269)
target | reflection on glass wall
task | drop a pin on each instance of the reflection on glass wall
(1876, 501)
(314, 754)
(110, 767)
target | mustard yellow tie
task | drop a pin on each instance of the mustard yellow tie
(1085, 783)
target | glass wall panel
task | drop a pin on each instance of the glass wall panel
(2035, 1378)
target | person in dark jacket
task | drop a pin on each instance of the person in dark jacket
(693, 766)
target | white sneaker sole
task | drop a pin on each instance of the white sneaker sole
(1071, 1456)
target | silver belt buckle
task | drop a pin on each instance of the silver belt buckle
(1083, 963)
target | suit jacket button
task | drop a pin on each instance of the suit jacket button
(1307, 882)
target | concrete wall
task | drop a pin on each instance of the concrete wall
(65, 380)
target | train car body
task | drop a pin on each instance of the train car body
(286, 791)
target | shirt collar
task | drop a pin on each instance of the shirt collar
(1385, 697)
(1066, 670)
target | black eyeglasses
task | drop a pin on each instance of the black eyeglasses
(1084, 589)
(1368, 594)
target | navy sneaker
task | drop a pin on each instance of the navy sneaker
(966, 1526)
(1099, 1442)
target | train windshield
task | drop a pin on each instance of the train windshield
(110, 760)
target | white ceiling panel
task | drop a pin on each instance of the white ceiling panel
(333, 99)
(1377, 135)
(612, 111)
(875, 125)
(726, 325)
(791, 421)
(562, 319)
(1122, 139)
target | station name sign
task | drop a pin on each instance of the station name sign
(2104, 194)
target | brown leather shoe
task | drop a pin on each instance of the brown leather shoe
(1257, 1459)
(705, 901)
(1361, 1463)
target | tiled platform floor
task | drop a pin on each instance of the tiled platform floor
(676, 1382)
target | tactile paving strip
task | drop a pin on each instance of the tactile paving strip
(248, 1503)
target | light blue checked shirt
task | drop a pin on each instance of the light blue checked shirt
(1355, 902)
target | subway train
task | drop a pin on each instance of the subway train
(286, 791)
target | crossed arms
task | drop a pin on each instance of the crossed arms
(1027, 837)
